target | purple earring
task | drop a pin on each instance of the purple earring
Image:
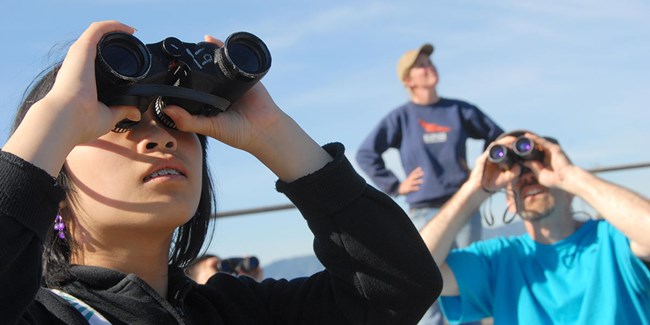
(59, 226)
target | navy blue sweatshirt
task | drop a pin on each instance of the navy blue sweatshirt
(377, 268)
(429, 136)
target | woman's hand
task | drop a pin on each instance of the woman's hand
(257, 125)
(70, 113)
(74, 94)
(244, 125)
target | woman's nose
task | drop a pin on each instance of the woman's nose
(156, 135)
(152, 145)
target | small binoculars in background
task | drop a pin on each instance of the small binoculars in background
(202, 78)
(523, 149)
(233, 264)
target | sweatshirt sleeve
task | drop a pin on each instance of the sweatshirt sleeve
(369, 156)
(28, 204)
(479, 125)
(377, 268)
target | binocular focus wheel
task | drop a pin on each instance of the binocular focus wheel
(159, 105)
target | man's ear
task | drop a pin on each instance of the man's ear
(406, 81)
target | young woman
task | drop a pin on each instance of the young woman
(95, 226)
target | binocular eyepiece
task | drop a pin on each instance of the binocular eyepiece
(202, 78)
(523, 149)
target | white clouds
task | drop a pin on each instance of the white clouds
(319, 23)
(585, 9)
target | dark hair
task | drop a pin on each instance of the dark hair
(520, 132)
(188, 239)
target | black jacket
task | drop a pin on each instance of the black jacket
(377, 269)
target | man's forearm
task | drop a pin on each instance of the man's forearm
(440, 232)
(629, 212)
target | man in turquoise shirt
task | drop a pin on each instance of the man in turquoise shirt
(562, 271)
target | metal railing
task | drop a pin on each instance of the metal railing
(291, 206)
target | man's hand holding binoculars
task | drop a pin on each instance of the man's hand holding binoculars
(509, 157)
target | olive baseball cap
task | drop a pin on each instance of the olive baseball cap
(408, 59)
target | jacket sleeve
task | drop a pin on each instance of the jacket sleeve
(28, 204)
(479, 125)
(377, 268)
(369, 156)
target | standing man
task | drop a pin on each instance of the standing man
(562, 271)
(430, 133)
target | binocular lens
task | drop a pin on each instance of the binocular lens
(251, 263)
(522, 150)
(245, 58)
(122, 60)
(523, 146)
(248, 53)
(497, 153)
(124, 56)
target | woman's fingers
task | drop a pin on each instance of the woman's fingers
(212, 40)
(85, 48)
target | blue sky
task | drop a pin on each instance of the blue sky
(576, 70)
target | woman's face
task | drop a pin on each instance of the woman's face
(148, 178)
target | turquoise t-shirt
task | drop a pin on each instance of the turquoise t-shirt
(590, 277)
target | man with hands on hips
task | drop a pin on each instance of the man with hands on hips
(561, 271)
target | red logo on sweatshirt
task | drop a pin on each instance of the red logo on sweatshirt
(432, 127)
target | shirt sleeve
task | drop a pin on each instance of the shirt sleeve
(384, 136)
(472, 268)
(632, 268)
(377, 268)
(28, 203)
(479, 125)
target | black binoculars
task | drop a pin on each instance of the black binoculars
(246, 264)
(523, 149)
(202, 78)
